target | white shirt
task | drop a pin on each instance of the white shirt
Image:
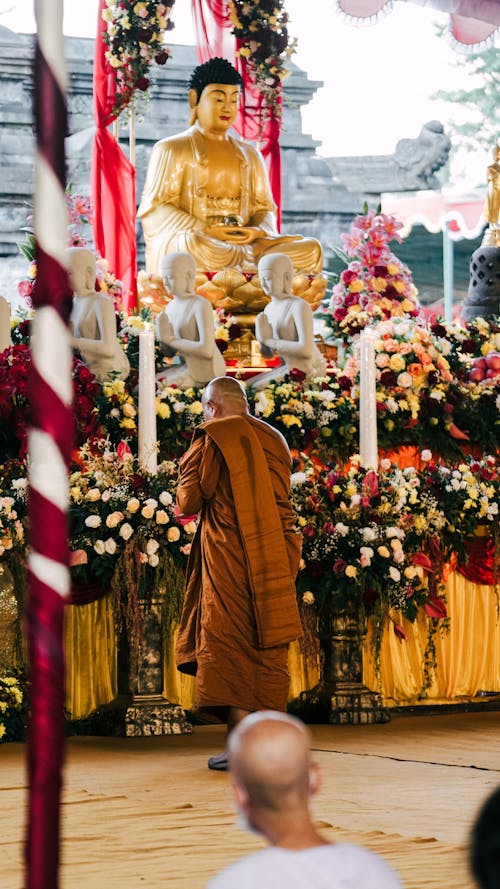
(342, 866)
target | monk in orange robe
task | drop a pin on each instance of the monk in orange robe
(240, 610)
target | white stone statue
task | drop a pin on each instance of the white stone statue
(286, 324)
(5, 340)
(93, 321)
(186, 326)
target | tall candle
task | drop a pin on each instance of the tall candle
(147, 402)
(368, 448)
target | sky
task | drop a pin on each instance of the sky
(378, 79)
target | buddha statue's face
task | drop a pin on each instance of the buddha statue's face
(217, 107)
(275, 275)
(178, 272)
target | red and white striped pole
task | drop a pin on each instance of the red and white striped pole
(50, 441)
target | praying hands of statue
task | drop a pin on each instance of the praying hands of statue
(165, 333)
(264, 334)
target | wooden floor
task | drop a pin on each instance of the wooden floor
(146, 812)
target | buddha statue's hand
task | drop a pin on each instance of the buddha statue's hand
(236, 234)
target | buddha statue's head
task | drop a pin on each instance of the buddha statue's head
(178, 271)
(82, 270)
(214, 90)
(275, 275)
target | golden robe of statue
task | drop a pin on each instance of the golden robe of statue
(207, 191)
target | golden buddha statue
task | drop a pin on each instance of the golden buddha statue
(207, 191)
(492, 208)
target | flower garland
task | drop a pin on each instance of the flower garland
(134, 34)
(376, 285)
(260, 27)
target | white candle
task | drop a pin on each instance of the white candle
(368, 448)
(147, 406)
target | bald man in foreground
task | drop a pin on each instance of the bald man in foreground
(273, 780)
(240, 609)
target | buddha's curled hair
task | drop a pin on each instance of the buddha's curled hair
(214, 71)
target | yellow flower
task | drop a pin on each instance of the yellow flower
(392, 268)
(133, 505)
(397, 362)
(195, 408)
(161, 517)
(140, 9)
(190, 528)
(162, 409)
(383, 551)
(400, 286)
(351, 571)
(289, 420)
(379, 284)
(308, 598)
(147, 512)
(301, 521)
(162, 21)
(173, 534)
(356, 286)
(93, 495)
(107, 14)
(2, 730)
(127, 423)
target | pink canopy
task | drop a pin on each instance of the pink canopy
(472, 22)
(462, 216)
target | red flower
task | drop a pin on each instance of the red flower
(297, 375)
(435, 607)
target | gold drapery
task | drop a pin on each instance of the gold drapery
(468, 655)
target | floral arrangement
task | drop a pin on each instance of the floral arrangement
(15, 366)
(227, 329)
(134, 35)
(113, 503)
(13, 705)
(413, 384)
(322, 418)
(178, 412)
(263, 41)
(376, 285)
(379, 541)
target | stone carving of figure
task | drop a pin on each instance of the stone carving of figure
(93, 321)
(186, 326)
(492, 208)
(422, 157)
(207, 191)
(5, 340)
(286, 324)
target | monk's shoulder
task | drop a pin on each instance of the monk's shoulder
(266, 431)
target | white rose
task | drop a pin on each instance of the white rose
(165, 498)
(133, 505)
(126, 531)
(93, 494)
(173, 534)
(110, 546)
(99, 547)
(154, 560)
(394, 574)
(308, 598)
(114, 519)
(93, 521)
(152, 546)
(151, 502)
(105, 496)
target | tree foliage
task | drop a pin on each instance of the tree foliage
(480, 100)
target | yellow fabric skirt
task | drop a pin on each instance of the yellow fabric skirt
(468, 656)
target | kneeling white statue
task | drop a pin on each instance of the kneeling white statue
(93, 321)
(286, 324)
(186, 326)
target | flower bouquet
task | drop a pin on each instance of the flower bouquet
(376, 285)
(134, 36)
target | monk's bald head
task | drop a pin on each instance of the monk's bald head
(270, 761)
(224, 397)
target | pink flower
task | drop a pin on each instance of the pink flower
(77, 557)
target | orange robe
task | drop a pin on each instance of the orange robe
(240, 610)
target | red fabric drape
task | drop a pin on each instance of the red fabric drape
(214, 38)
(113, 181)
(480, 567)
